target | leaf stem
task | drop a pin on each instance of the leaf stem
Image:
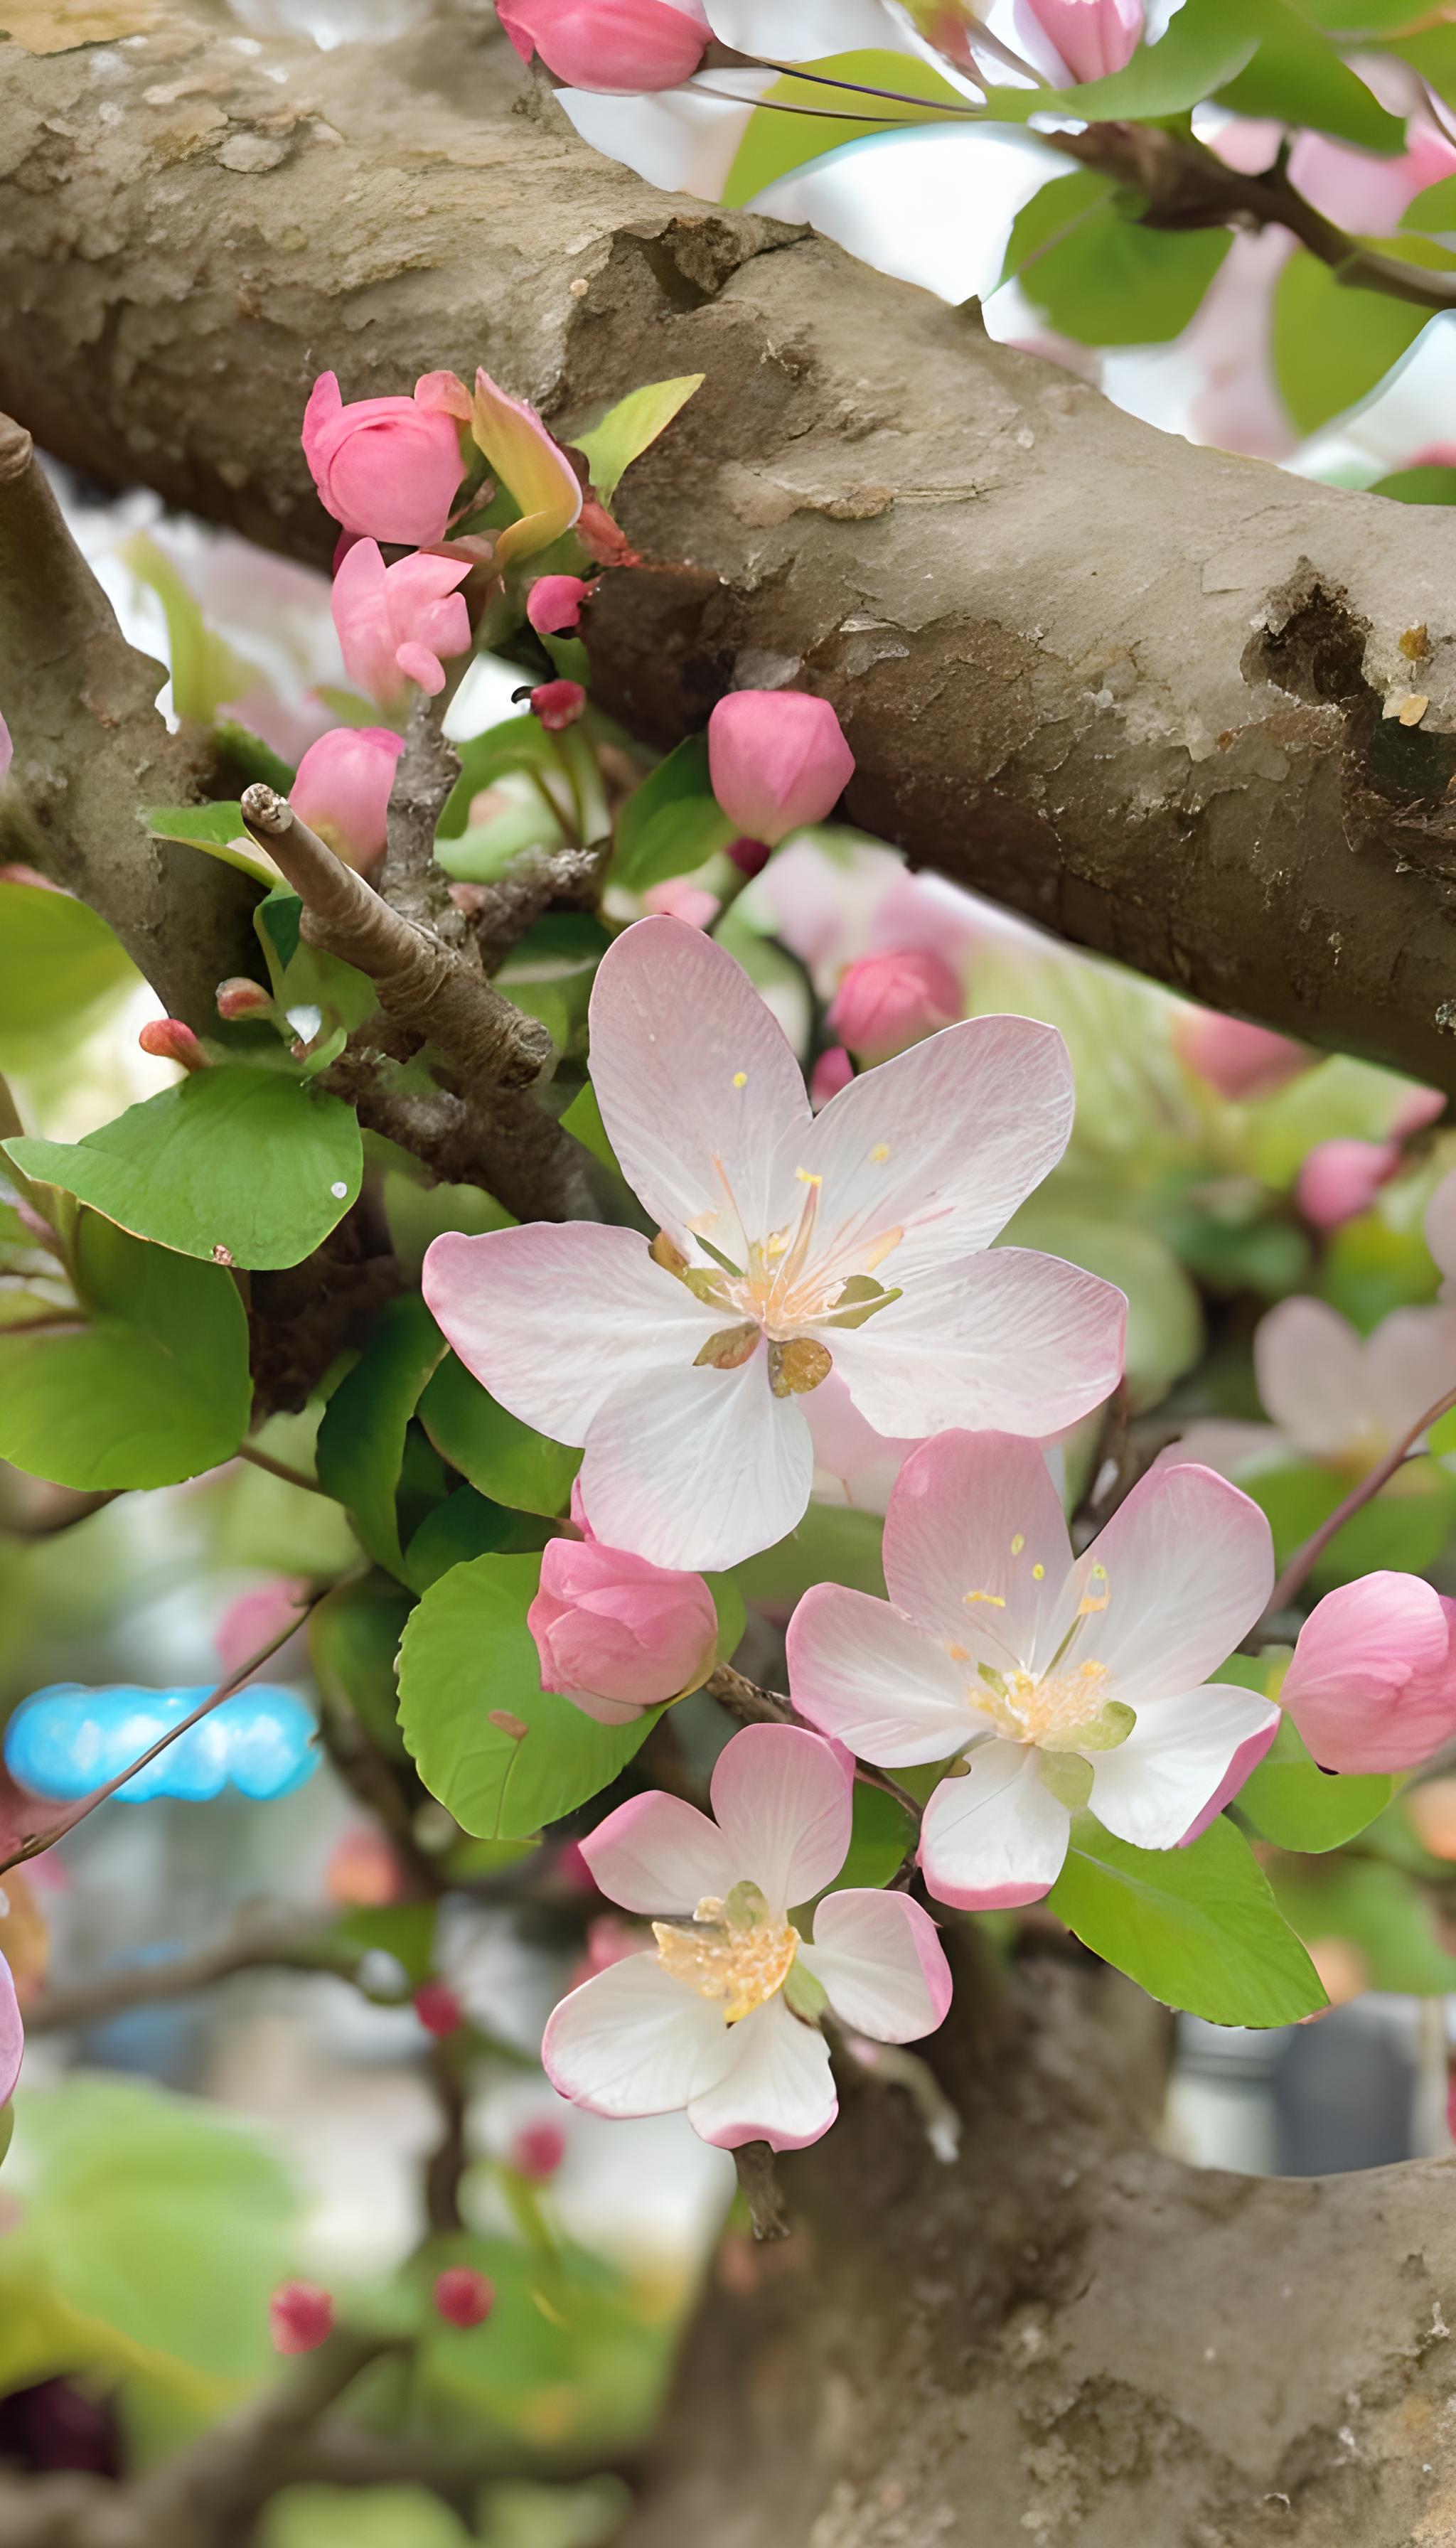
(284, 1469)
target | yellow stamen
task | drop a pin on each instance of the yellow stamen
(740, 1079)
(880, 1153)
(1037, 1573)
(997, 1600)
(737, 1963)
(1019, 1543)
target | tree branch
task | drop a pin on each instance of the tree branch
(260, 1940)
(427, 769)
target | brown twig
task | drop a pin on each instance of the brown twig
(262, 1939)
(447, 2160)
(754, 1706)
(760, 2191)
(1359, 1495)
(427, 769)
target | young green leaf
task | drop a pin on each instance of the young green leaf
(1290, 1801)
(628, 428)
(493, 1448)
(218, 829)
(354, 1637)
(362, 1440)
(1332, 345)
(58, 962)
(1198, 1927)
(671, 823)
(1081, 254)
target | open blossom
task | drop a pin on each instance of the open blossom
(11, 2033)
(885, 1003)
(618, 48)
(778, 760)
(387, 467)
(342, 789)
(616, 1635)
(1064, 1683)
(1336, 1397)
(1373, 1680)
(718, 2020)
(1092, 38)
(789, 1245)
(1239, 1060)
(396, 624)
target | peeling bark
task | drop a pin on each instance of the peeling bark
(1136, 691)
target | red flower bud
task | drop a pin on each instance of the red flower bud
(237, 997)
(300, 2318)
(438, 2009)
(558, 704)
(538, 2151)
(463, 2296)
(170, 1041)
(750, 857)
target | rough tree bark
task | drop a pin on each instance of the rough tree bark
(1136, 691)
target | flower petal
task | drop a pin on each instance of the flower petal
(1010, 1340)
(1410, 1361)
(1157, 1785)
(996, 1837)
(697, 1084)
(783, 1801)
(553, 1320)
(778, 2087)
(1310, 1368)
(11, 2033)
(657, 1855)
(1187, 1566)
(698, 1468)
(879, 1958)
(869, 1677)
(1370, 1687)
(635, 2041)
(977, 1545)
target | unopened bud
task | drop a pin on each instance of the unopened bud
(463, 2296)
(538, 2151)
(558, 704)
(889, 1001)
(237, 997)
(750, 857)
(831, 1073)
(554, 603)
(438, 2009)
(168, 1040)
(300, 2318)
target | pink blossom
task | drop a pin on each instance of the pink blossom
(1339, 1179)
(387, 467)
(716, 2021)
(396, 622)
(832, 1072)
(554, 603)
(300, 2318)
(778, 760)
(677, 899)
(618, 48)
(11, 2035)
(1239, 1060)
(1335, 1397)
(438, 2009)
(1373, 1680)
(616, 1635)
(789, 1245)
(1061, 1681)
(342, 789)
(748, 857)
(885, 1003)
(256, 1618)
(1361, 190)
(1091, 37)
(537, 2151)
(558, 704)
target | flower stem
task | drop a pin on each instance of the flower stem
(1300, 1565)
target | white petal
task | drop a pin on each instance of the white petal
(634, 2040)
(780, 2088)
(698, 1468)
(697, 1084)
(996, 1837)
(1312, 1379)
(1156, 1785)
(680, 138)
(1188, 1566)
(977, 1514)
(807, 31)
(783, 1801)
(933, 205)
(879, 1958)
(867, 1675)
(554, 1320)
(1410, 1360)
(1009, 1341)
(657, 1855)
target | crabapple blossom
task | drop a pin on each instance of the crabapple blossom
(1336, 1397)
(1063, 1682)
(1373, 1680)
(778, 760)
(386, 468)
(1239, 1060)
(438, 2009)
(238, 997)
(789, 1246)
(614, 48)
(11, 2033)
(1091, 37)
(554, 603)
(300, 2318)
(718, 2019)
(537, 2151)
(885, 1003)
(463, 2296)
(396, 624)
(342, 789)
(616, 1635)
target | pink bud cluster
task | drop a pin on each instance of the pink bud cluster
(618, 48)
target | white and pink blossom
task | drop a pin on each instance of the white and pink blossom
(12, 2034)
(789, 1246)
(1062, 1683)
(719, 2020)
(1335, 1397)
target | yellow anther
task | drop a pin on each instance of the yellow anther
(1037, 1573)
(1019, 1543)
(957, 1654)
(880, 1153)
(737, 1964)
(807, 1177)
(997, 1600)
(740, 1079)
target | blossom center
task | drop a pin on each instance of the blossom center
(733, 1953)
(1049, 1709)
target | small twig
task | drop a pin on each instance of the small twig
(210, 2489)
(552, 879)
(291, 1477)
(427, 769)
(760, 2191)
(447, 2160)
(259, 1940)
(1314, 1546)
(754, 1706)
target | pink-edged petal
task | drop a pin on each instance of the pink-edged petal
(11, 2033)
(1410, 1360)
(1163, 1783)
(942, 1143)
(657, 1855)
(1228, 1446)
(977, 1545)
(867, 1675)
(553, 1320)
(635, 2041)
(698, 1467)
(851, 1462)
(879, 1958)
(997, 1837)
(783, 1801)
(1010, 1341)
(696, 1083)
(1182, 1570)
(1312, 1378)
(778, 2087)
(1372, 1686)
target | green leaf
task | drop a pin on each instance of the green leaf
(1298, 1805)
(833, 1544)
(493, 1448)
(882, 1833)
(279, 921)
(1081, 254)
(732, 1615)
(1405, 1527)
(205, 671)
(465, 1525)
(1379, 1909)
(154, 1387)
(362, 1440)
(626, 430)
(1434, 207)
(1431, 483)
(519, 744)
(218, 829)
(468, 1660)
(774, 143)
(404, 1930)
(671, 823)
(583, 1119)
(252, 757)
(58, 962)
(355, 2516)
(1198, 1927)
(235, 1166)
(354, 1637)
(1332, 345)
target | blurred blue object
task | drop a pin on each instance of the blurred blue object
(66, 1740)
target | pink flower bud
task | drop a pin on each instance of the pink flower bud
(438, 2009)
(1342, 1178)
(385, 467)
(680, 900)
(1417, 1108)
(1093, 37)
(1237, 1059)
(558, 704)
(616, 1635)
(1373, 1680)
(300, 2318)
(748, 857)
(538, 2151)
(778, 760)
(554, 603)
(618, 48)
(397, 623)
(885, 1003)
(168, 1040)
(463, 2296)
(11, 2033)
(831, 1073)
(342, 789)
(237, 997)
